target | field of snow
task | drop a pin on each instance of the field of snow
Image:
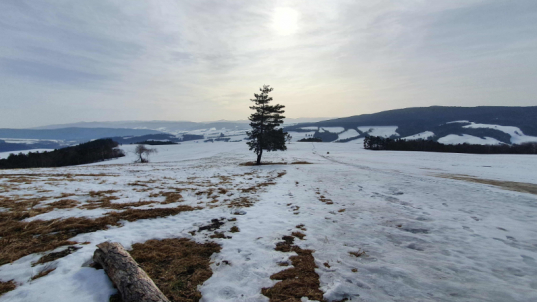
(313, 128)
(423, 135)
(348, 134)
(332, 129)
(517, 136)
(384, 131)
(426, 236)
(454, 139)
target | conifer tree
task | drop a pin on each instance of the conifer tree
(265, 122)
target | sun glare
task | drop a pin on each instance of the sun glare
(285, 21)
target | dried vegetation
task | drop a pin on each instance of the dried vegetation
(177, 266)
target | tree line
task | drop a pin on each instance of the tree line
(90, 152)
(382, 143)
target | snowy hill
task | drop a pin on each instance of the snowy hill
(448, 125)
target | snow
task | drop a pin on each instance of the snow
(453, 139)
(333, 129)
(462, 121)
(426, 238)
(517, 136)
(348, 134)
(422, 135)
(310, 128)
(385, 131)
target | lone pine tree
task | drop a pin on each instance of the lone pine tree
(266, 119)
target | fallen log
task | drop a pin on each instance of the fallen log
(131, 281)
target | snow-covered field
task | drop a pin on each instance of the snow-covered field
(422, 135)
(454, 139)
(426, 237)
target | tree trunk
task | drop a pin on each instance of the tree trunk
(131, 281)
(259, 157)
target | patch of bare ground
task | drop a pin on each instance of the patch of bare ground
(7, 286)
(297, 281)
(507, 185)
(57, 255)
(301, 163)
(43, 273)
(177, 266)
(19, 239)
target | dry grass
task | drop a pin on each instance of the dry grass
(7, 286)
(43, 273)
(57, 255)
(19, 239)
(299, 235)
(507, 185)
(297, 281)
(301, 227)
(177, 266)
(301, 163)
(234, 229)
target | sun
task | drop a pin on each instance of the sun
(285, 21)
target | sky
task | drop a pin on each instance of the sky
(100, 60)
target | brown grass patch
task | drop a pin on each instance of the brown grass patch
(177, 266)
(57, 255)
(298, 281)
(19, 239)
(43, 273)
(7, 286)
(234, 229)
(507, 185)
(299, 235)
(63, 204)
(301, 163)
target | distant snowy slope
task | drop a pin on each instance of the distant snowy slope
(348, 134)
(517, 136)
(454, 139)
(384, 131)
(423, 135)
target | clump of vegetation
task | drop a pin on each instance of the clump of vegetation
(177, 266)
(44, 272)
(298, 281)
(57, 255)
(94, 151)
(7, 286)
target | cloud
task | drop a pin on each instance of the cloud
(202, 60)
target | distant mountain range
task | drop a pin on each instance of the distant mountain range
(449, 125)
(486, 125)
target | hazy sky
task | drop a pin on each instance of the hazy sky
(68, 61)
